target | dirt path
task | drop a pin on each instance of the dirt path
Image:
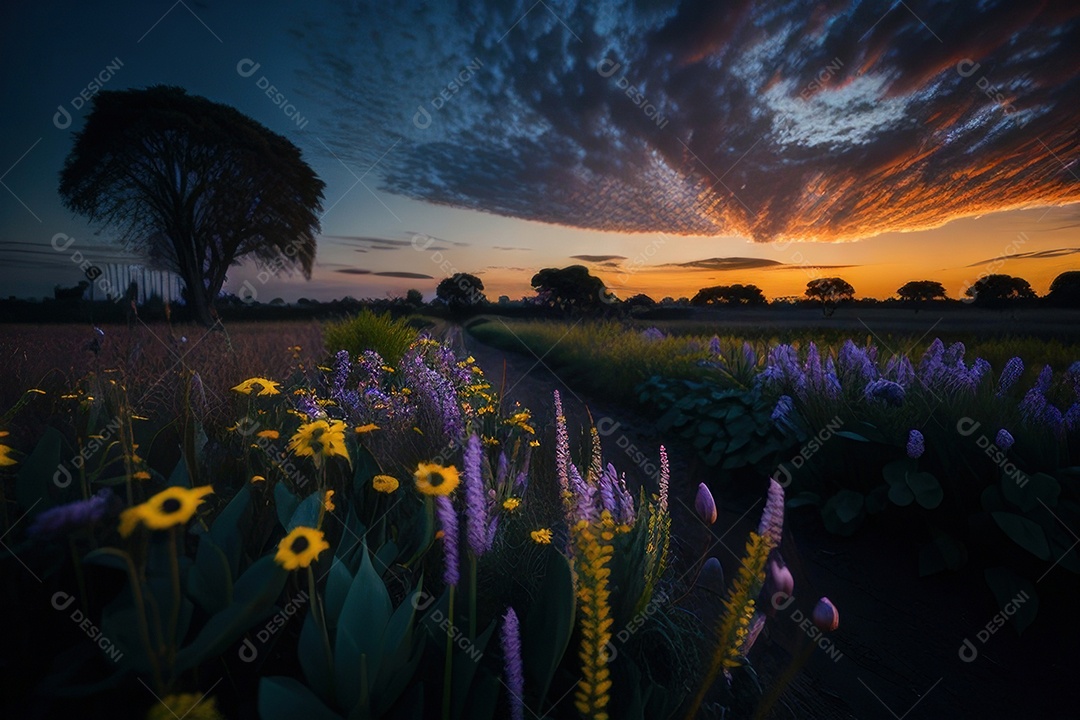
(896, 653)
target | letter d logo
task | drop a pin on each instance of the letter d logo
(968, 652)
(966, 426)
(62, 601)
(422, 118)
(248, 652)
(62, 118)
(247, 67)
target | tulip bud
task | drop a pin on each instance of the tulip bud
(825, 616)
(711, 576)
(778, 582)
(705, 505)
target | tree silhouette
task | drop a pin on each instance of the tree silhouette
(1065, 290)
(922, 291)
(570, 289)
(194, 185)
(830, 291)
(729, 295)
(461, 291)
(1000, 290)
(414, 297)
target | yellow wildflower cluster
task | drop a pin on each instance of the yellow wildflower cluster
(593, 551)
(521, 420)
(258, 385)
(320, 439)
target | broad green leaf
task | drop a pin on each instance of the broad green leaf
(359, 637)
(227, 530)
(1035, 488)
(41, 475)
(1024, 533)
(283, 698)
(941, 553)
(285, 502)
(307, 512)
(548, 626)
(1013, 593)
(926, 488)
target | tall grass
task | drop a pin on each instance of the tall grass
(370, 331)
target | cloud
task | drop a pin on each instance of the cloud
(732, 263)
(387, 273)
(1036, 255)
(791, 120)
(507, 247)
(605, 259)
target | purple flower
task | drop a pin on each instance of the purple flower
(653, 335)
(855, 364)
(749, 355)
(954, 355)
(1053, 418)
(1073, 376)
(515, 676)
(502, 470)
(916, 446)
(778, 581)
(476, 512)
(1012, 372)
(714, 346)
(582, 496)
(887, 390)
(705, 505)
(444, 508)
(1042, 383)
(608, 479)
(783, 409)
(771, 526)
(625, 500)
(562, 446)
(900, 370)
(79, 515)
(1033, 406)
(1004, 439)
(825, 616)
(1072, 417)
(665, 477)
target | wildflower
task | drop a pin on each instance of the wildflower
(653, 335)
(515, 676)
(593, 551)
(268, 434)
(1072, 417)
(892, 393)
(363, 429)
(257, 479)
(705, 505)
(140, 475)
(476, 518)
(541, 536)
(825, 616)
(916, 446)
(434, 479)
(300, 547)
(534, 443)
(5, 456)
(778, 582)
(1012, 372)
(714, 346)
(448, 519)
(172, 506)
(264, 386)
(771, 526)
(320, 439)
(384, 483)
(665, 477)
(77, 515)
(328, 501)
(190, 706)
(1004, 439)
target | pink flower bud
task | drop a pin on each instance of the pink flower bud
(705, 505)
(779, 585)
(826, 617)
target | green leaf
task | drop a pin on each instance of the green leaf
(1024, 533)
(285, 502)
(365, 467)
(851, 436)
(941, 553)
(402, 651)
(926, 488)
(804, 498)
(877, 499)
(180, 477)
(210, 581)
(548, 626)
(307, 512)
(283, 698)
(253, 600)
(843, 512)
(896, 472)
(337, 588)
(41, 474)
(467, 657)
(311, 652)
(227, 530)
(1012, 592)
(1035, 488)
(361, 626)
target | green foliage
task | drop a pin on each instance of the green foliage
(370, 331)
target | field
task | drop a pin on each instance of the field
(664, 572)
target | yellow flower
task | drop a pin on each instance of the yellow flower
(5, 458)
(366, 428)
(534, 443)
(417, 430)
(511, 504)
(541, 536)
(257, 478)
(268, 434)
(190, 706)
(384, 483)
(320, 439)
(264, 386)
(172, 506)
(328, 501)
(300, 548)
(433, 479)
(4, 433)
(140, 475)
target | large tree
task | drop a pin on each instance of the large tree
(999, 290)
(830, 291)
(729, 295)
(1065, 290)
(571, 289)
(923, 290)
(461, 291)
(195, 186)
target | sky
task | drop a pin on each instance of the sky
(667, 146)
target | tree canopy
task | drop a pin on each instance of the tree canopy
(1065, 290)
(998, 290)
(729, 295)
(922, 290)
(461, 291)
(830, 291)
(570, 289)
(193, 185)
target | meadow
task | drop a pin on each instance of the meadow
(356, 519)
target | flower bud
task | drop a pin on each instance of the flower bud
(778, 581)
(825, 616)
(705, 505)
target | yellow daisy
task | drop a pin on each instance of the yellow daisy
(320, 439)
(300, 548)
(172, 506)
(384, 483)
(434, 479)
(511, 504)
(366, 428)
(5, 457)
(541, 536)
(328, 501)
(264, 386)
(257, 478)
(268, 434)
(140, 475)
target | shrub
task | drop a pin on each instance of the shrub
(370, 331)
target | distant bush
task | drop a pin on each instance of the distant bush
(370, 331)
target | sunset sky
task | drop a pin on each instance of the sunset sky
(667, 146)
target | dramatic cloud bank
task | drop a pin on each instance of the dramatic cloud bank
(783, 120)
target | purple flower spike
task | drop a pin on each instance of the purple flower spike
(916, 445)
(476, 519)
(1004, 439)
(705, 505)
(444, 508)
(1012, 372)
(81, 514)
(515, 675)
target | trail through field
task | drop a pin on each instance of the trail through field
(896, 652)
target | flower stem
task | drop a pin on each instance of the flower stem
(472, 596)
(320, 620)
(174, 618)
(448, 666)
